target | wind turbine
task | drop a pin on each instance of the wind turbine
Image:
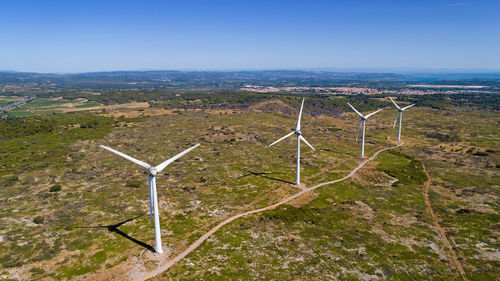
(400, 115)
(153, 199)
(362, 123)
(298, 133)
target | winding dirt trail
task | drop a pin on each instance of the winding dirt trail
(166, 265)
(441, 230)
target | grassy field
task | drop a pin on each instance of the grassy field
(73, 210)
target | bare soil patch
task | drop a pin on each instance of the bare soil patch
(369, 175)
(274, 106)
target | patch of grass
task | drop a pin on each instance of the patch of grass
(99, 257)
(412, 172)
(290, 214)
(68, 272)
(88, 104)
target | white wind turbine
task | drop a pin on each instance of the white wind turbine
(299, 138)
(362, 124)
(400, 115)
(153, 199)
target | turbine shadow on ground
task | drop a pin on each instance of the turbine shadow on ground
(114, 228)
(264, 175)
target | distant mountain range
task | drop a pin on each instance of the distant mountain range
(236, 79)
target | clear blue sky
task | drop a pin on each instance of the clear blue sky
(76, 36)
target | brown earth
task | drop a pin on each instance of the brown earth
(274, 106)
(132, 105)
(371, 176)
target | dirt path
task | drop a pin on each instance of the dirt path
(441, 230)
(165, 266)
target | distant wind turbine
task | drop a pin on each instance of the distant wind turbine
(400, 115)
(362, 124)
(298, 133)
(153, 199)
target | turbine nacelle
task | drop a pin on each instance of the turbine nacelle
(401, 109)
(297, 132)
(153, 171)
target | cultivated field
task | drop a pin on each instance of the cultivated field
(43, 106)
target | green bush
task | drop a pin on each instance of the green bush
(480, 153)
(55, 188)
(38, 220)
(37, 270)
(10, 180)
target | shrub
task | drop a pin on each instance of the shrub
(38, 220)
(444, 137)
(10, 180)
(55, 188)
(37, 270)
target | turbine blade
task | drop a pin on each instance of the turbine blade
(373, 113)
(286, 136)
(150, 185)
(138, 162)
(406, 107)
(304, 140)
(397, 106)
(357, 112)
(359, 128)
(395, 120)
(166, 163)
(300, 115)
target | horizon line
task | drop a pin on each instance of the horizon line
(375, 70)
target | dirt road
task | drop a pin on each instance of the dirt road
(441, 230)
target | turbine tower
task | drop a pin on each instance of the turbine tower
(400, 115)
(298, 133)
(362, 124)
(153, 199)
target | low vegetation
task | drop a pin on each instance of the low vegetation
(406, 171)
(71, 210)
